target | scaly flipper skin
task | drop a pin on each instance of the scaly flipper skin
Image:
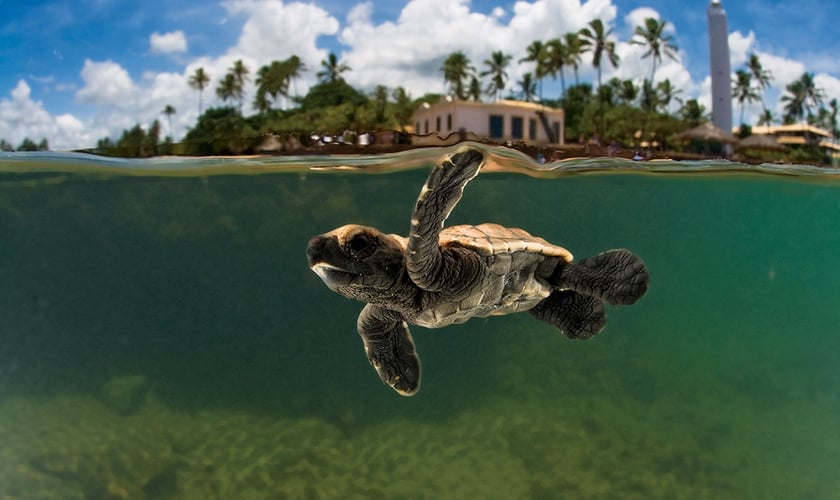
(618, 277)
(426, 264)
(390, 348)
(578, 316)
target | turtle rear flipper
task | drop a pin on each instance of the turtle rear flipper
(390, 348)
(577, 315)
(617, 277)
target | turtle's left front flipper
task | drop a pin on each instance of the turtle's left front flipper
(617, 277)
(390, 348)
(444, 187)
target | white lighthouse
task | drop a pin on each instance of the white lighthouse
(720, 70)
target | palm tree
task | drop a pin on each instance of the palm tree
(169, 110)
(228, 88)
(652, 36)
(199, 81)
(574, 50)
(596, 40)
(743, 90)
(666, 91)
(766, 118)
(474, 91)
(628, 92)
(813, 95)
(496, 66)
(795, 102)
(761, 76)
(650, 98)
(456, 69)
(802, 95)
(273, 80)
(557, 61)
(333, 68)
(293, 68)
(527, 87)
(537, 53)
(240, 75)
(693, 112)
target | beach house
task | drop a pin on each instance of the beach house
(500, 121)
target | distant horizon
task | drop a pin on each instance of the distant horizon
(75, 81)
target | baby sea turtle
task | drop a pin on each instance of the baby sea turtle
(437, 277)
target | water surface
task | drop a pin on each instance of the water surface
(164, 338)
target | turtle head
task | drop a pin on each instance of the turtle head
(358, 262)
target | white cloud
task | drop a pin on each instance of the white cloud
(21, 117)
(168, 43)
(106, 83)
(410, 50)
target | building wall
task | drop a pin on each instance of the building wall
(452, 116)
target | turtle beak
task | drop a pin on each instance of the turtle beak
(323, 253)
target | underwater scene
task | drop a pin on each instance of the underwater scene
(164, 338)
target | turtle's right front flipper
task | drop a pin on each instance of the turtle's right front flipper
(390, 348)
(443, 189)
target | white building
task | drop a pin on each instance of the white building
(502, 120)
(719, 66)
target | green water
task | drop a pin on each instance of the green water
(162, 337)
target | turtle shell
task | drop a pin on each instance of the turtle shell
(493, 239)
(517, 267)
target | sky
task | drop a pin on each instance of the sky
(74, 71)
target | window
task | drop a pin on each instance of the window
(417, 128)
(437, 124)
(426, 126)
(555, 127)
(497, 126)
(516, 127)
(532, 129)
(449, 121)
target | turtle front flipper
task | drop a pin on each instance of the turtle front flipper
(617, 277)
(390, 348)
(443, 189)
(577, 315)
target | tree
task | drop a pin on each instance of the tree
(496, 70)
(456, 70)
(199, 81)
(240, 77)
(228, 88)
(474, 90)
(766, 118)
(693, 112)
(596, 40)
(628, 92)
(271, 80)
(742, 89)
(652, 36)
(403, 107)
(169, 110)
(6, 146)
(333, 68)
(294, 67)
(801, 95)
(761, 76)
(557, 61)
(527, 87)
(573, 46)
(27, 145)
(666, 92)
(537, 53)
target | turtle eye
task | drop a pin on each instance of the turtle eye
(361, 245)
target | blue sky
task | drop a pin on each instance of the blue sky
(77, 70)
